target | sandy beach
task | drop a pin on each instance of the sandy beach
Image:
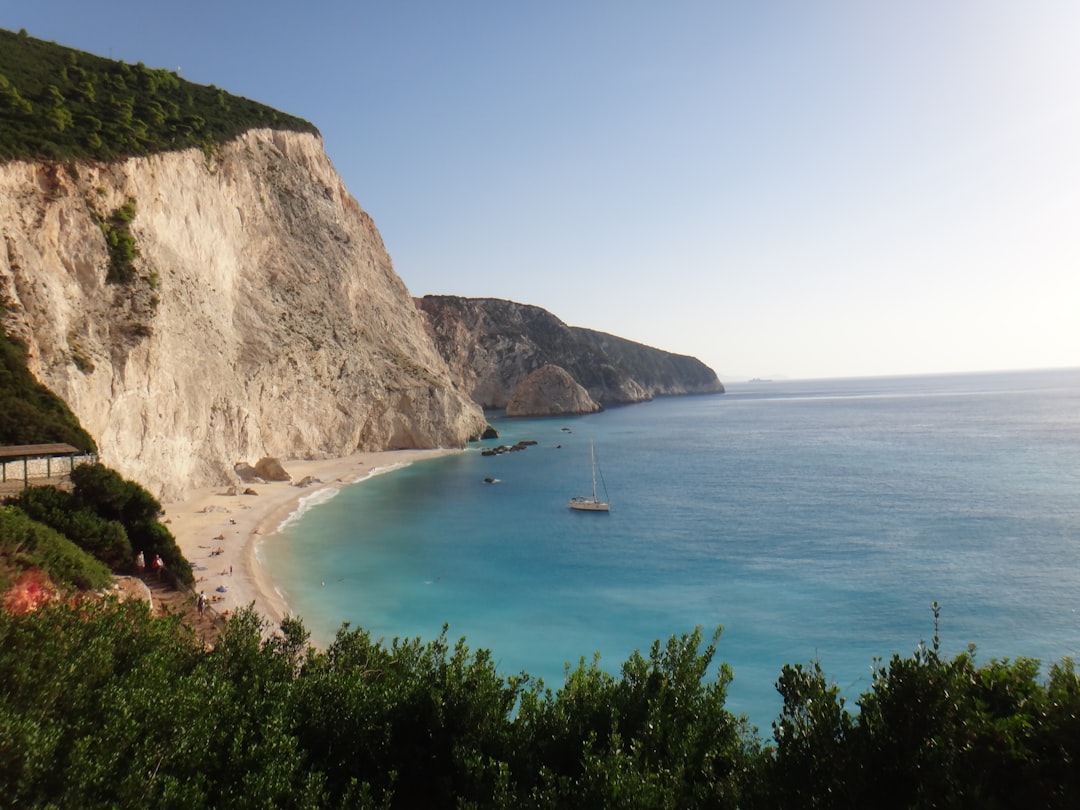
(219, 532)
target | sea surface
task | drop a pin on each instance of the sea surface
(813, 520)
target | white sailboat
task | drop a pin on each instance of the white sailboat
(592, 504)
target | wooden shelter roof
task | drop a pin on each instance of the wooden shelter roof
(37, 451)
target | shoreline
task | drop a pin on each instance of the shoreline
(219, 532)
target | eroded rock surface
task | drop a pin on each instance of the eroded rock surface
(550, 391)
(491, 345)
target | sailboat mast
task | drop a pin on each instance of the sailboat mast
(593, 504)
(592, 458)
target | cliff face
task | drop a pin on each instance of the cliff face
(263, 317)
(492, 345)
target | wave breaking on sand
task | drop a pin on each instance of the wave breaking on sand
(219, 531)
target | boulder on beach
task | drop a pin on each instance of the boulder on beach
(270, 469)
(246, 472)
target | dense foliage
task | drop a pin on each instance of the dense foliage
(134, 714)
(29, 412)
(109, 517)
(59, 103)
(932, 732)
(27, 544)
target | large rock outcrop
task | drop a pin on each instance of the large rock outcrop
(550, 391)
(263, 316)
(492, 345)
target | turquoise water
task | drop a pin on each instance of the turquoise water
(813, 520)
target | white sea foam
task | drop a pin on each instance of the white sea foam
(388, 468)
(307, 503)
(318, 498)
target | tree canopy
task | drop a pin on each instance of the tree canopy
(58, 103)
(133, 712)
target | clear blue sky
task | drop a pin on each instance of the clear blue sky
(808, 189)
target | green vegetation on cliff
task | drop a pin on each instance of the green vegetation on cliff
(29, 412)
(57, 103)
(27, 544)
(107, 516)
(132, 713)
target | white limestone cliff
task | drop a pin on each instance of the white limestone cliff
(266, 319)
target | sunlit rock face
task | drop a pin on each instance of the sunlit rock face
(550, 391)
(492, 345)
(263, 318)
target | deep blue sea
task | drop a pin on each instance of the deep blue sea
(814, 520)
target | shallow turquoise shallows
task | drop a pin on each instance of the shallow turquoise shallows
(813, 520)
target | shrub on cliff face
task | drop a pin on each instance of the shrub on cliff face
(120, 242)
(29, 412)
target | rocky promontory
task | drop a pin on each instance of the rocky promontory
(492, 345)
(550, 391)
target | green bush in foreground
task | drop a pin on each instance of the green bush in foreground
(932, 732)
(134, 714)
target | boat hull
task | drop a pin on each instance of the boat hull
(586, 505)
